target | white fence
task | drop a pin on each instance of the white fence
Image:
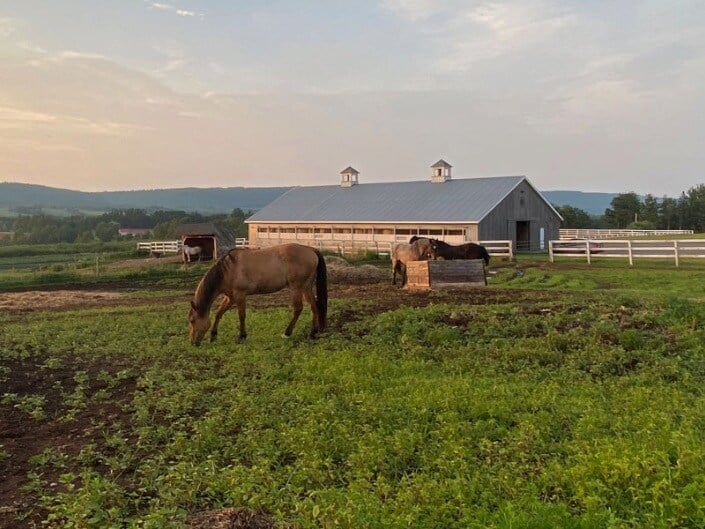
(160, 247)
(566, 233)
(384, 248)
(629, 249)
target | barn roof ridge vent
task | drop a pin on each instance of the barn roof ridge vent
(440, 171)
(348, 176)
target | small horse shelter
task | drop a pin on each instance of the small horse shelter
(361, 216)
(214, 241)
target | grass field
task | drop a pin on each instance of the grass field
(565, 395)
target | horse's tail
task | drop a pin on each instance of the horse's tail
(321, 291)
(485, 254)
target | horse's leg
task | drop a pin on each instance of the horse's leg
(224, 306)
(240, 302)
(311, 299)
(395, 263)
(403, 274)
(297, 305)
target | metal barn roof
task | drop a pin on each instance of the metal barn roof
(457, 200)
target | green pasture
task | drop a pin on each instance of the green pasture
(574, 400)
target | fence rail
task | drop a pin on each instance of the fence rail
(568, 233)
(629, 249)
(384, 248)
(160, 247)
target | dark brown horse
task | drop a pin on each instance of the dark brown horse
(417, 250)
(240, 273)
(469, 250)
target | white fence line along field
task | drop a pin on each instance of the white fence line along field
(629, 249)
(570, 233)
(161, 246)
(384, 248)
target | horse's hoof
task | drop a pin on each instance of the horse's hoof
(213, 337)
(285, 336)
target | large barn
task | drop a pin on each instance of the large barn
(374, 216)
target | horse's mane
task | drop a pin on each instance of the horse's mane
(209, 286)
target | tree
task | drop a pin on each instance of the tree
(650, 210)
(107, 231)
(574, 217)
(625, 209)
(668, 213)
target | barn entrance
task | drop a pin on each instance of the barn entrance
(523, 236)
(205, 242)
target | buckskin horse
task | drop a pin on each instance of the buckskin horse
(469, 250)
(417, 250)
(240, 273)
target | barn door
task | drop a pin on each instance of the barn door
(523, 237)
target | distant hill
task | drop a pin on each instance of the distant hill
(20, 197)
(593, 203)
(29, 197)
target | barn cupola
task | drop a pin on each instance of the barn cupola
(441, 172)
(348, 177)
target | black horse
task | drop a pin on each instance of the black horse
(469, 250)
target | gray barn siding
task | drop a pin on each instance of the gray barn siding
(501, 222)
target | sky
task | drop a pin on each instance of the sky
(590, 95)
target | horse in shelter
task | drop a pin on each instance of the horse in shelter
(192, 251)
(469, 250)
(418, 250)
(241, 272)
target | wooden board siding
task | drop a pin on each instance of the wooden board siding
(501, 222)
(332, 235)
(460, 273)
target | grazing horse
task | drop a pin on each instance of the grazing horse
(240, 273)
(469, 250)
(418, 250)
(192, 251)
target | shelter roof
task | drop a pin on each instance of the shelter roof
(441, 163)
(225, 238)
(457, 200)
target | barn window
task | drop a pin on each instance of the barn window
(454, 232)
(261, 229)
(287, 230)
(435, 232)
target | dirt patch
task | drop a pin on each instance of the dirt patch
(52, 300)
(22, 436)
(229, 519)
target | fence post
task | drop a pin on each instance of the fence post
(587, 250)
(675, 251)
(629, 247)
(550, 251)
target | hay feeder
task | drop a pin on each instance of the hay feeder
(458, 273)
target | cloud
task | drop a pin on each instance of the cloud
(8, 26)
(177, 11)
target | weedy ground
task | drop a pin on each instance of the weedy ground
(561, 395)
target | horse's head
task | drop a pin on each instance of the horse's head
(198, 325)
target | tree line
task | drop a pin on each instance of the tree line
(630, 211)
(627, 210)
(40, 228)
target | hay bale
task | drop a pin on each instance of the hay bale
(342, 272)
